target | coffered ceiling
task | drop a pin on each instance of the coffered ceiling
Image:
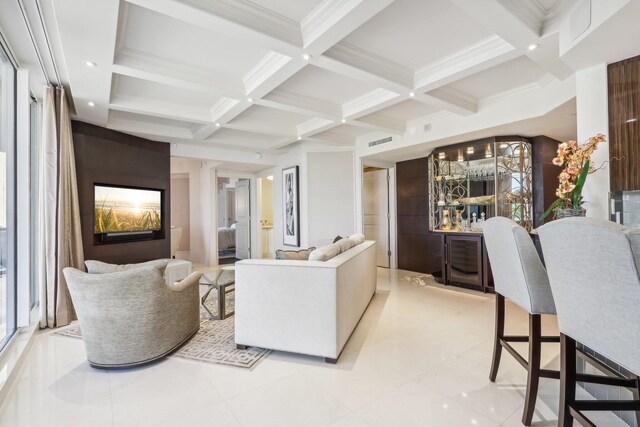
(262, 75)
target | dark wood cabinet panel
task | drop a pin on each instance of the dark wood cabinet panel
(624, 124)
(544, 175)
(418, 249)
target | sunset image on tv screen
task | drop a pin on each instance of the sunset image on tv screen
(126, 209)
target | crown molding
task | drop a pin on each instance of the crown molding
(540, 83)
(371, 100)
(315, 125)
(134, 63)
(372, 63)
(222, 107)
(467, 61)
(153, 107)
(379, 122)
(269, 65)
(323, 17)
(293, 102)
(244, 19)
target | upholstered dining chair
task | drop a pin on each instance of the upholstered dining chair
(593, 270)
(520, 277)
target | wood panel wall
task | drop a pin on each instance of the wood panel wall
(108, 157)
(418, 249)
(544, 176)
(624, 124)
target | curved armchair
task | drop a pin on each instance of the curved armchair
(132, 317)
(519, 276)
(593, 269)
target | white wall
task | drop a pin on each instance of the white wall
(191, 168)
(592, 118)
(331, 196)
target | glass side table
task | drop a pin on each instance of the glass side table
(213, 281)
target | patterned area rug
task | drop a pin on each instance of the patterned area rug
(213, 343)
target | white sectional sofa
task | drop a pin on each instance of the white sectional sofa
(308, 307)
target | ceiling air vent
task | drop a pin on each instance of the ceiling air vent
(380, 141)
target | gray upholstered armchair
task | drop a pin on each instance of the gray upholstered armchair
(129, 316)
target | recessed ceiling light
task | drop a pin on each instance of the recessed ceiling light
(306, 56)
(631, 120)
(91, 104)
(412, 94)
(90, 64)
(299, 138)
(217, 125)
(344, 120)
(270, 177)
(250, 99)
(533, 46)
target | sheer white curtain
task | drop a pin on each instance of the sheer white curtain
(60, 232)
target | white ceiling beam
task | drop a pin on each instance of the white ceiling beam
(520, 24)
(450, 99)
(159, 70)
(378, 122)
(351, 61)
(260, 127)
(313, 126)
(333, 20)
(149, 129)
(477, 57)
(300, 104)
(370, 102)
(241, 20)
(159, 109)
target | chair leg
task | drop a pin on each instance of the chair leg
(533, 376)
(567, 380)
(499, 333)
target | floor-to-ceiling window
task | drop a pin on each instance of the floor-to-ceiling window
(7, 198)
(34, 168)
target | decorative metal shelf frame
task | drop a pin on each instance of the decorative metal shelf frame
(507, 175)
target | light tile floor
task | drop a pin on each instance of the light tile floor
(419, 357)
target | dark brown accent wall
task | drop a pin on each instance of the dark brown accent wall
(418, 249)
(108, 157)
(544, 176)
(624, 124)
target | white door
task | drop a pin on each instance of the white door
(243, 220)
(376, 212)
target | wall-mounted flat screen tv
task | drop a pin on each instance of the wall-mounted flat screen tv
(127, 210)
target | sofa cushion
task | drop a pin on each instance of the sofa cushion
(99, 267)
(325, 253)
(357, 238)
(346, 244)
(302, 254)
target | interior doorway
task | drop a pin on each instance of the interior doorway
(227, 222)
(376, 211)
(265, 201)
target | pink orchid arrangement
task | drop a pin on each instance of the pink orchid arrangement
(576, 161)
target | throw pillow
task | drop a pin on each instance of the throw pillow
(325, 253)
(345, 244)
(358, 238)
(338, 238)
(302, 254)
(99, 267)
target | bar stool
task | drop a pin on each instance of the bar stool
(519, 276)
(593, 271)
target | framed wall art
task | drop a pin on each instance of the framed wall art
(291, 206)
